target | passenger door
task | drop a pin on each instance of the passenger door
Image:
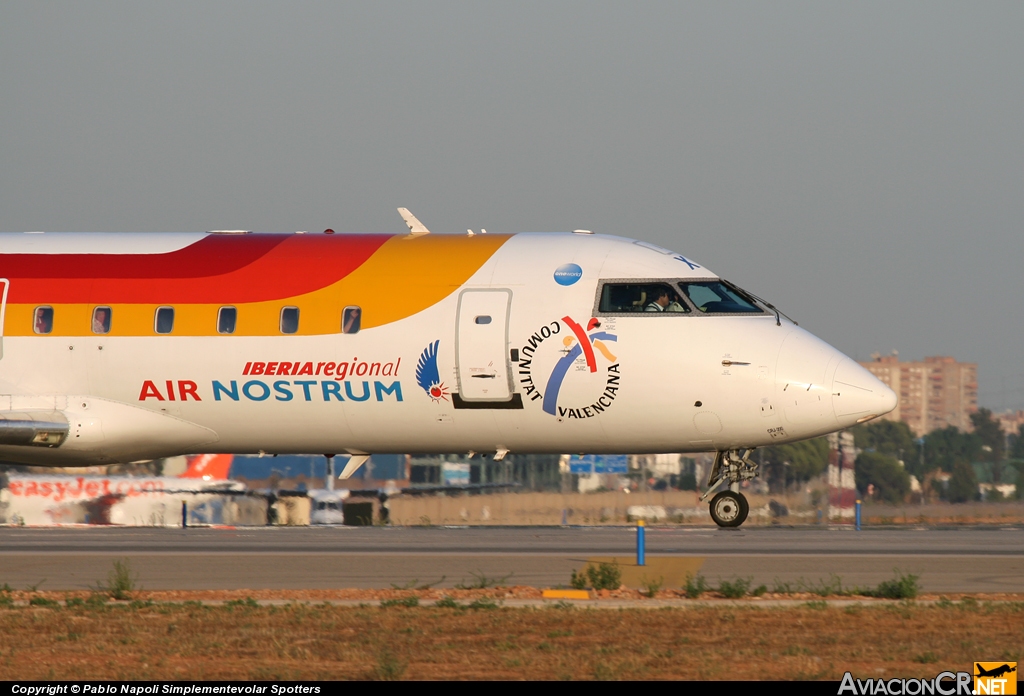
(481, 345)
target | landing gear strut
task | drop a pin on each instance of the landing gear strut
(729, 508)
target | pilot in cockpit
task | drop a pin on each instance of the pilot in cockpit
(660, 302)
(664, 301)
(676, 305)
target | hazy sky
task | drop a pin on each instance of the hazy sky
(860, 164)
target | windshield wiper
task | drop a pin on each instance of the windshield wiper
(766, 303)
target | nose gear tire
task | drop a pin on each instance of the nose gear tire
(729, 509)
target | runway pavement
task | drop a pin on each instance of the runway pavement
(947, 560)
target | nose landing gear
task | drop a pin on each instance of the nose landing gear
(729, 508)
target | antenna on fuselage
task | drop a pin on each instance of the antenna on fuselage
(415, 226)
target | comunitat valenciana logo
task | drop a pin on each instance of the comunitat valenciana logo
(988, 678)
(570, 368)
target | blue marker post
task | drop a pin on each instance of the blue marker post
(858, 516)
(641, 551)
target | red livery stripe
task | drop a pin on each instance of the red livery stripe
(216, 269)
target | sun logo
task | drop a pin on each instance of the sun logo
(428, 376)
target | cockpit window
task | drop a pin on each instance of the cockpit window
(619, 298)
(715, 297)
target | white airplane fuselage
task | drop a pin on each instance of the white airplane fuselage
(526, 360)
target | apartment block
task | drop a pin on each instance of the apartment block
(934, 393)
(1011, 421)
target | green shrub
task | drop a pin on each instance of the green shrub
(603, 576)
(482, 582)
(403, 602)
(95, 600)
(43, 602)
(900, 587)
(248, 602)
(388, 667)
(994, 495)
(780, 587)
(651, 587)
(824, 588)
(735, 589)
(485, 604)
(695, 586)
(121, 582)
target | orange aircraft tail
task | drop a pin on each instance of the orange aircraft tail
(208, 466)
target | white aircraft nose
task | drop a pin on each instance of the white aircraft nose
(858, 396)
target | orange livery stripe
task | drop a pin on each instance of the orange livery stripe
(388, 277)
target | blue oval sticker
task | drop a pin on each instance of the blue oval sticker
(568, 273)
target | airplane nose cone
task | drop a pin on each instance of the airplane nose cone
(858, 396)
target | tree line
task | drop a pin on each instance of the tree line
(890, 455)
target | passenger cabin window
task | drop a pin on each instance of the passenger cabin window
(289, 320)
(101, 320)
(351, 318)
(164, 320)
(715, 297)
(226, 318)
(43, 323)
(483, 319)
(617, 298)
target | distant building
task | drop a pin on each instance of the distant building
(534, 472)
(304, 471)
(1011, 421)
(933, 394)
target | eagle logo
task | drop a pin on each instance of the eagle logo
(427, 375)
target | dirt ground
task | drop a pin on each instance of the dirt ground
(174, 635)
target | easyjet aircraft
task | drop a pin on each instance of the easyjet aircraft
(120, 347)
